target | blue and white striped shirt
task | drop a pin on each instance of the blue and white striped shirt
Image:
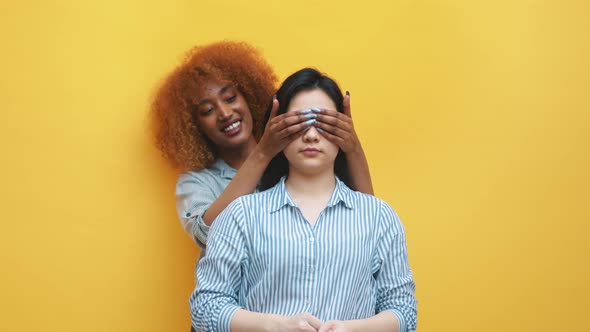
(264, 256)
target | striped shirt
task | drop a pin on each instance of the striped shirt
(264, 256)
(195, 192)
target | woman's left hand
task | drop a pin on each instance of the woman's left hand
(338, 127)
(334, 326)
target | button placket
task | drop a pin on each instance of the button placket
(312, 270)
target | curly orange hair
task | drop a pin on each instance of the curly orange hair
(176, 134)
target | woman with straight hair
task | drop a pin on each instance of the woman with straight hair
(309, 253)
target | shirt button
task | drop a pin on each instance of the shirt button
(188, 214)
(311, 239)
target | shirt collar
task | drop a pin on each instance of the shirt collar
(279, 196)
(225, 170)
(341, 194)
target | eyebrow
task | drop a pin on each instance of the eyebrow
(221, 91)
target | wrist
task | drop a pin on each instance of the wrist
(272, 322)
(261, 156)
(352, 325)
(355, 152)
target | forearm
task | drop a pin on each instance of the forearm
(384, 321)
(358, 167)
(248, 321)
(244, 182)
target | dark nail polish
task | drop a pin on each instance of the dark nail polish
(347, 93)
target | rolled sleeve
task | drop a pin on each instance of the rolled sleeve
(395, 284)
(193, 198)
(200, 230)
(213, 315)
(215, 299)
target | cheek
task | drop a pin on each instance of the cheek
(246, 113)
(290, 150)
(333, 149)
(205, 124)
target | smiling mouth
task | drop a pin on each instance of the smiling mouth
(232, 126)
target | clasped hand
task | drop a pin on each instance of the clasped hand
(306, 322)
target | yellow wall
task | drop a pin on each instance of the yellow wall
(474, 116)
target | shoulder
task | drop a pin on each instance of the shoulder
(232, 217)
(365, 201)
(254, 199)
(214, 178)
(190, 183)
(196, 176)
(375, 206)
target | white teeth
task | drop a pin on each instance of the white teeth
(232, 126)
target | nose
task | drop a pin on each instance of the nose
(311, 135)
(224, 112)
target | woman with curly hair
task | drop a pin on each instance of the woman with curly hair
(208, 116)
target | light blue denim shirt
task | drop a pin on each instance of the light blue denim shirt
(195, 192)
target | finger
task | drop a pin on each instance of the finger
(332, 116)
(315, 322)
(289, 119)
(346, 103)
(326, 327)
(331, 137)
(342, 123)
(275, 107)
(305, 114)
(290, 138)
(298, 128)
(334, 130)
(327, 111)
(303, 325)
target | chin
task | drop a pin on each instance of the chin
(311, 170)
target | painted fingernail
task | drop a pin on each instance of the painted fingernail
(274, 97)
(310, 122)
(315, 109)
(310, 116)
(305, 111)
(306, 128)
(347, 93)
(319, 129)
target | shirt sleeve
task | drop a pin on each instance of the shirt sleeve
(216, 298)
(394, 281)
(193, 198)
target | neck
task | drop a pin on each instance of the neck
(299, 184)
(235, 157)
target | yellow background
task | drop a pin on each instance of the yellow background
(474, 116)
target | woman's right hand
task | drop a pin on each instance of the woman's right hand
(283, 129)
(304, 322)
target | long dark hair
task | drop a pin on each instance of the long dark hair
(303, 80)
